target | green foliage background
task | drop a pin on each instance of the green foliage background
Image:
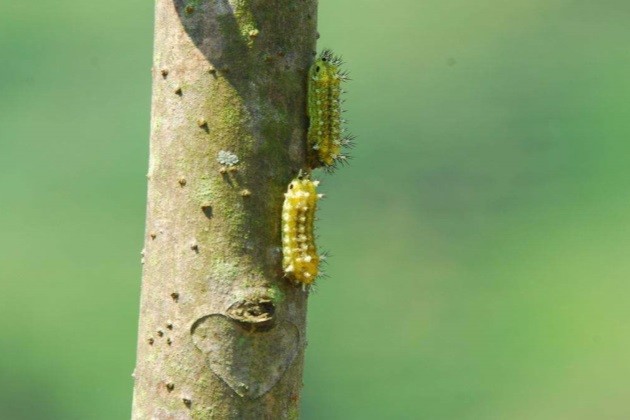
(480, 238)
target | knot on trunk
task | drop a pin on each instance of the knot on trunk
(254, 314)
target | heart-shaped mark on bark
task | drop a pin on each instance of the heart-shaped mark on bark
(251, 363)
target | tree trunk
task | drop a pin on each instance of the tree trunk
(222, 333)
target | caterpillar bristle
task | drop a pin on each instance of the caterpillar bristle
(330, 169)
(324, 276)
(348, 143)
(313, 289)
(343, 160)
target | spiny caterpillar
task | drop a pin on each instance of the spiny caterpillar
(325, 134)
(300, 258)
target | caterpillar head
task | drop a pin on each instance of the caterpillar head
(326, 67)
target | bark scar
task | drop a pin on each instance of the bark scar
(250, 362)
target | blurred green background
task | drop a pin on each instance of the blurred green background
(480, 238)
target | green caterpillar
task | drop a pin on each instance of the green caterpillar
(325, 133)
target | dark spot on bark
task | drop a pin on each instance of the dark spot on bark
(175, 296)
(187, 402)
(160, 333)
(182, 182)
(151, 341)
(164, 73)
(170, 386)
(207, 210)
(178, 91)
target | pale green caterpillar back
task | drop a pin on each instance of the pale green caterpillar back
(325, 133)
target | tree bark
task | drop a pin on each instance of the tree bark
(221, 332)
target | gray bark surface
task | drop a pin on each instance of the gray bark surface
(221, 332)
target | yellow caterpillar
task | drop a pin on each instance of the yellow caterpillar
(325, 134)
(300, 258)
